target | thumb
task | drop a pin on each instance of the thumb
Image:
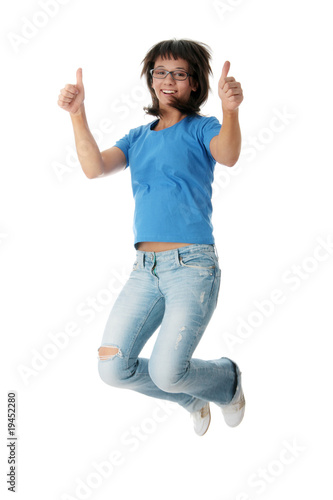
(225, 69)
(79, 77)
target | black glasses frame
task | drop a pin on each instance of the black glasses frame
(171, 73)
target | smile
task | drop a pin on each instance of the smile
(168, 91)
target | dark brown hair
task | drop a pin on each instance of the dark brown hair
(197, 55)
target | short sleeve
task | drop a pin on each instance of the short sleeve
(124, 144)
(211, 128)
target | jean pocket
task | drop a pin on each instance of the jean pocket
(199, 261)
(135, 266)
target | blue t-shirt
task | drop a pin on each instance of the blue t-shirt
(172, 171)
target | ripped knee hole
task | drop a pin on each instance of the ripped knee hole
(105, 353)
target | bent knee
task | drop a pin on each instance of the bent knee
(111, 366)
(165, 379)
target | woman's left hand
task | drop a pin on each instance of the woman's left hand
(230, 91)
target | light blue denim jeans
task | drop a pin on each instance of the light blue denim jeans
(178, 291)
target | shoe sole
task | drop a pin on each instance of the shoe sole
(210, 418)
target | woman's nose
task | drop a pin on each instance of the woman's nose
(169, 78)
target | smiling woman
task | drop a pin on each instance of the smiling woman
(193, 58)
(175, 279)
(172, 80)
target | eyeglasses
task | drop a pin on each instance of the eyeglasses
(163, 73)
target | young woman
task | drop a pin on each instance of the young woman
(175, 280)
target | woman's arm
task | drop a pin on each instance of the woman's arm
(93, 162)
(87, 150)
(226, 146)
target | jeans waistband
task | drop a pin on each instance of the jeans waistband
(173, 255)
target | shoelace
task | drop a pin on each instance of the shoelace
(204, 411)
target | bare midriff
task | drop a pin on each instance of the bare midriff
(159, 246)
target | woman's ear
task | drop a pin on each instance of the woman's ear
(195, 85)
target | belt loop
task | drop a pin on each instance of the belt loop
(177, 255)
(141, 258)
(217, 255)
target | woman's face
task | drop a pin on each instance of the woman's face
(167, 87)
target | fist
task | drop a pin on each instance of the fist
(71, 97)
(230, 91)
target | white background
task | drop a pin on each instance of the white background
(65, 239)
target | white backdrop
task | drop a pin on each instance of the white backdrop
(66, 249)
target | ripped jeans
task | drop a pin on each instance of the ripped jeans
(178, 291)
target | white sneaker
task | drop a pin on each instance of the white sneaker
(233, 412)
(201, 420)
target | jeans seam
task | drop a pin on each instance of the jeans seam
(139, 330)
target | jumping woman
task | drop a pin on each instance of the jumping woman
(175, 279)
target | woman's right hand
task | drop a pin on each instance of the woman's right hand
(71, 97)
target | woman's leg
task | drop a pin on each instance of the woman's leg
(190, 288)
(137, 313)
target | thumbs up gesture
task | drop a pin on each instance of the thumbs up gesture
(230, 91)
(71, 96)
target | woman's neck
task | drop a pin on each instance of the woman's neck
(170, 118)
